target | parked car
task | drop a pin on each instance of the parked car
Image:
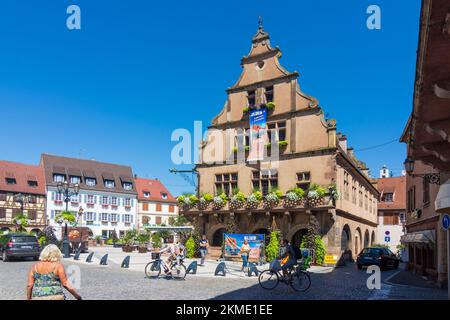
(382, 257)
(19, 245)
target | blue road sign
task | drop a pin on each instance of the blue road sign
(387, 239)
(445, 221)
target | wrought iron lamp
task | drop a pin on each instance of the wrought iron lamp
(433, 178)
(64, 188)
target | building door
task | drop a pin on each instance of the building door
(218, 237)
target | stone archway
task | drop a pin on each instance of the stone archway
(264, 231)
(346, 239)
(297, 238)
(294, 230)
(372, 240)
(211, 234)
(366, 239)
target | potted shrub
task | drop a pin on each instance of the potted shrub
(315, 194)
(237, 199)
(219, 201)
(294, 197)
(333, 193)
(156, 241)
(128, 240)
(254, 199)
(204, 201)
(272, 199)
(142, 239)
(270, 106)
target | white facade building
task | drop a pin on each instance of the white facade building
(107, 195)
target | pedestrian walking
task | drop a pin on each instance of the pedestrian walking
(262, 253)
(203, 247)
(47, 277)
(245, 251)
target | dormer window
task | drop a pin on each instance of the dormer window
(110, 184)
(57, 177)
(146, 194)
(387, 197)
(75, 179)
(163, 195)
(32, 183)
(11, 181)
(91, 182)
(128, 186)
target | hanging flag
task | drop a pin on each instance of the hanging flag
(258, 134)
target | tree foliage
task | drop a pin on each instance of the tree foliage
(273, 247)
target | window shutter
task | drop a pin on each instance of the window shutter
(94, 216)
(53, 195)
(132, 218)
(52, 214)
(123, 217)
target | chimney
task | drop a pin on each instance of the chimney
(343, 142)
(350, 152)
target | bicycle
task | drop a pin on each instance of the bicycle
(298, 278)
(177, 268)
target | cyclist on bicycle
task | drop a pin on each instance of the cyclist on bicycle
(288, 259)
(173, 251)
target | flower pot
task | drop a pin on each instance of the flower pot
(142, 249)
(127, 248)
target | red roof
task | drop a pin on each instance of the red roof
(21, 173)
(155, 189)
(396, 186)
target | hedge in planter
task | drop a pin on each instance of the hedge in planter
(237, 200)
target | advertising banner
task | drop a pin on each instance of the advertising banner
(234, 241)
(258, 134)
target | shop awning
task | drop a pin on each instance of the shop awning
(424, 237)
(442, 202)
(168, 228)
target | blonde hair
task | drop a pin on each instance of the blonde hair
(51, 253)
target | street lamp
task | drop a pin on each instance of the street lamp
(432, 178)
(64, 189)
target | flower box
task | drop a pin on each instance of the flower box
(105, 206)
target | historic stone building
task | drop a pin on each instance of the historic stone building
(22, 191)
(311, 152)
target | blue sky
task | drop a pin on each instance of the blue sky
(116, 89)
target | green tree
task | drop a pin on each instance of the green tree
(320, 250)
(190, 247)
(21, 222)
(156, 240)
(273, 247)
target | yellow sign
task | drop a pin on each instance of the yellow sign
(330, 259)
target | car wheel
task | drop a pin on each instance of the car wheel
(359, 266)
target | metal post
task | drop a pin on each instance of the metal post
(66, 240)
(448, 263)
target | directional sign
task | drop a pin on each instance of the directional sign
(445, 221)
(387, 239)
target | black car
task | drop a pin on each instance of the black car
(382, 257)
(17, 245)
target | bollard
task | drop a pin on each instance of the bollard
(220, 268)
(104, 260)
(192, 267)
(77, 255)
(125, 262)
(252, 269)
(89, 257)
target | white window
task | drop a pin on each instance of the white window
(127, 202)
(75, 198)
(114, 217)
(104, 216)
(75, 179)
(90, 199)
(127, 186)
(146, 194)
(59, 178)
(89, 216)
(58, 196)
(114, 201)
(110, 184)
(163, 195)
(104, 200)
(90, 182)
(127, 218)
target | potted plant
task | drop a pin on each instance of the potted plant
(237, 199)
(293, 197)
(254, 199)
(156, 241)
(204, 201)
(272, 199)
(333, 193)
(21, 221)
(219, 201)
(142, 239)
(128, 240)
(270, 106)
(315, 194)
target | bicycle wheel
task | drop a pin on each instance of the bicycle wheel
(268, 279)
(178, 271)
(153, 269)
(300, 281)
